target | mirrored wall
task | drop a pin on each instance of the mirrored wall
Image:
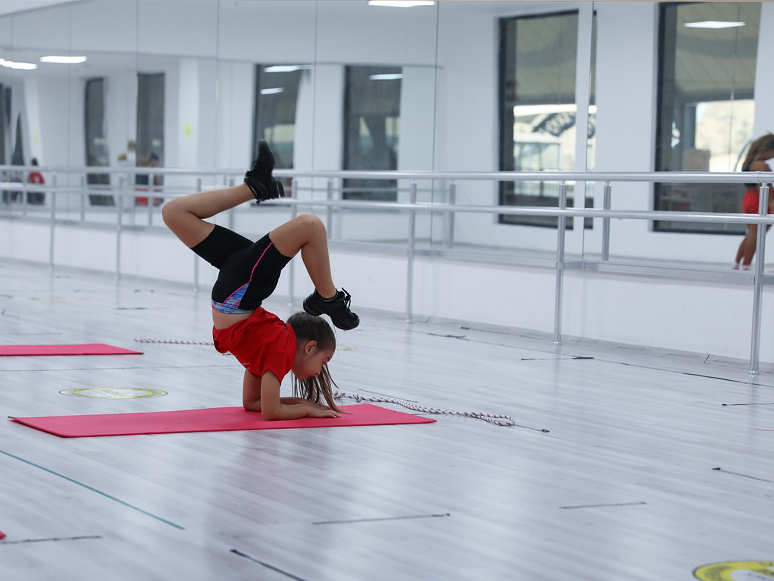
(437, 86)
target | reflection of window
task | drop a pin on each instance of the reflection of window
(5, 94)
(276, 97)
(96, 142)
(537, 100)
(150, 120)
(371, 129)
(707, 55)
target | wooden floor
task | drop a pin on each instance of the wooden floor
(625, 485)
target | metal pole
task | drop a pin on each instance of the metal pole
(755, 347)
(53, 222)
(410, 254)
(151, 180)
(196, 257)
(231, 212)
(560, 265)
(25, 179)
(292, 270)
(606, 224)
(451, 215)
(119, 227)
(329, 195)
(83, 197)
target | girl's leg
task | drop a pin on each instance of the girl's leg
(740, 252)
(185, 216)
(307, 234)
(750, 242)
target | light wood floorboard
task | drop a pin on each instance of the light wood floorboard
(622, 487)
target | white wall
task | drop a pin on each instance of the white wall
(692, 316)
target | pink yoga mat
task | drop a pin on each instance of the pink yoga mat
(89, 349)
(208, 420)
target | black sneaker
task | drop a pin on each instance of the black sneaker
(337, 309)
(259, 179)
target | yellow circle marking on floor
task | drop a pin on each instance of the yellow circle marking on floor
(345, 348)
(114, 392)
(736, 571)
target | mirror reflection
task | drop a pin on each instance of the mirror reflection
(451, 86)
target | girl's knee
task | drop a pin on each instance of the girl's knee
(311, 222)
(171, 210)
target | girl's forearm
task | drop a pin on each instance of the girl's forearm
(291, 400)
(287, 412)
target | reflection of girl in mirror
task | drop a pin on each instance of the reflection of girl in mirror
(760, 150)
(249, 271)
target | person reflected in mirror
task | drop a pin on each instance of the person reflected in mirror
(267, 347)
(152, 160)
(35, 177)
(761, 150)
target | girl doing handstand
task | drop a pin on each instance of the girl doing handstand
(249, 271)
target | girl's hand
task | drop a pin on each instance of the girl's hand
(319, 411)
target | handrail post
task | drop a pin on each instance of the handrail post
(83, 197)
(291, 269)
(410, 254)
(119, 228)
(151, 180)
(451, 215)
(755, 347)
(24, 194)
(606, 223)
(329, 217)
(196, 256)
(231, 212)
(560, 235)
(53, 223)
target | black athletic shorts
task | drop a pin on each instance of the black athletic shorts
(249, 271)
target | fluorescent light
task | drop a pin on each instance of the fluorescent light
(20, 66)
(713, 24)
(407, 4)
(386, 77)
(285, 68)
(272, 91)
(65, 60)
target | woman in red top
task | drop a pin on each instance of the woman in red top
(760, 150)
(249, 271)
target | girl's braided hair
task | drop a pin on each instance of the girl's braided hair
(311, 328)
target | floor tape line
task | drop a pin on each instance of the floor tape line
(272, 567)
(337, 522)
(47, 540)
(106, 495)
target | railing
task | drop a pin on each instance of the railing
(562, 212)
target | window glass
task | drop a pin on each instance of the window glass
(3, 122)
(705, 112)
(538, 110)
(150, 120)
(276, 99)
(96, 138)
(371, 129)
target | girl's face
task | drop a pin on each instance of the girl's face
(310, 359)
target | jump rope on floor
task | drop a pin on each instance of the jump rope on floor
(496, 419)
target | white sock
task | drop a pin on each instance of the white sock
(745, 267)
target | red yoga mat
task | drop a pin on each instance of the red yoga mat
(208, 420)
(89, 349)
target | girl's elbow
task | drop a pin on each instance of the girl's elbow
(270, 415)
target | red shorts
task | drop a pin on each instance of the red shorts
(750, 201)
